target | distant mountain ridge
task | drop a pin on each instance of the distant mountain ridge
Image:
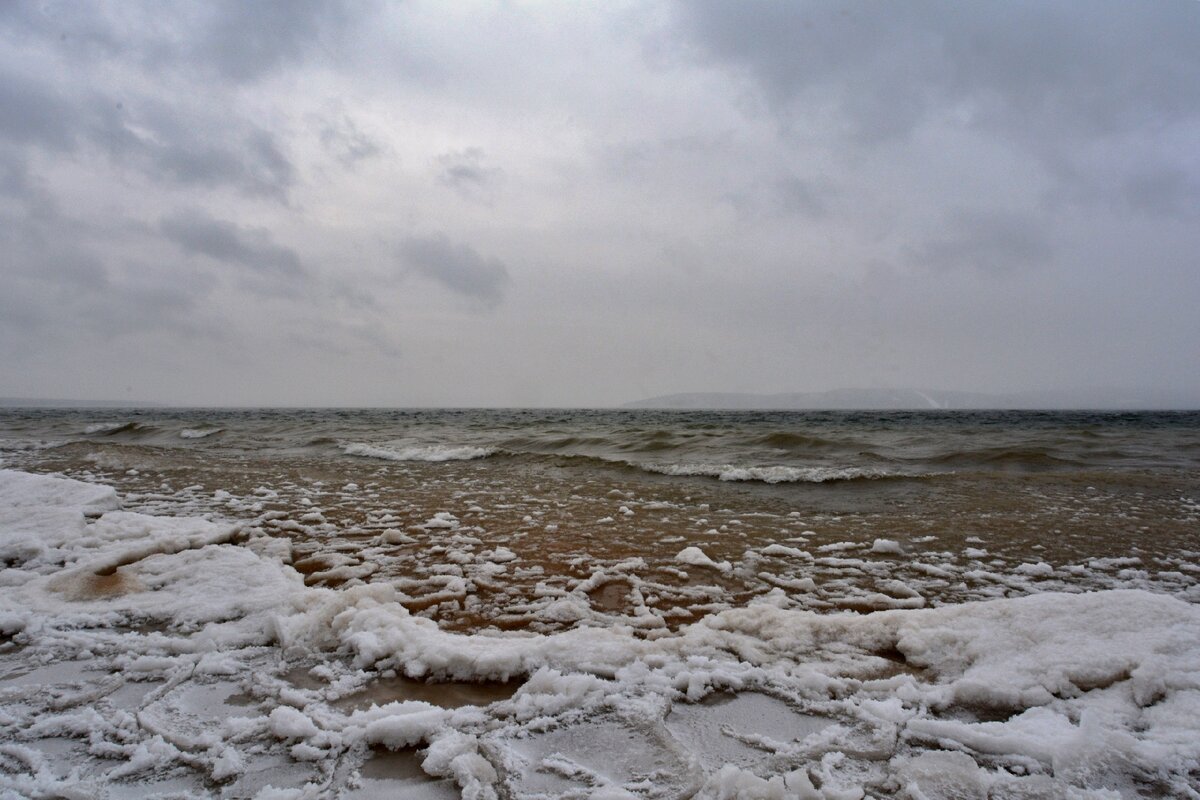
(906, 399)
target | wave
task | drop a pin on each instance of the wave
(740, 472)
(1019, 457)
(119, 429)
(198, 433)
(774, 474)
(786, 440)
(30, 444)
(110, 427)
(321, 441)
(421, 452)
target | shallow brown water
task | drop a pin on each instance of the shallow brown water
(961, 536)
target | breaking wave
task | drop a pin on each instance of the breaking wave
(775, 474)
(197, 433)
(421, 452)
(110, 427)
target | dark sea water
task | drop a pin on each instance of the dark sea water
(980, 504)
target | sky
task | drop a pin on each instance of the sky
(583, 204)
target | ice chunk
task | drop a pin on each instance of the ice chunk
(887, 546)
(23, 490)
(698, 558)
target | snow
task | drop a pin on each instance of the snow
(887, 546)
(698, 558)
(783, 550)
(442, 519)
(156, 656)
(22, 490)
(1039, 570)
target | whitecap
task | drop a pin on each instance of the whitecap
(769, 474)
(104, 427)
(418, 452)
(197, 433)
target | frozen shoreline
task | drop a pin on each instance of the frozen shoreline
(164, 656)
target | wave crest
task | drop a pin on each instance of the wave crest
(197, 433)
(109, 427)
(421, 452)
(775, 474)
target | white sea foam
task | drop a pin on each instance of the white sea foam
(197, 433)
(18, 445)
(103, 427)
(769, 474)
(183, 673)
(417, 452)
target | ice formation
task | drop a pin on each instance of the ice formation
(155, 656)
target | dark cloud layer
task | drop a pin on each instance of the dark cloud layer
(245, 41)
(675, 196)
(1045, 67)
(456, 266)
(165, 141)
(196, 232)
(1079, 87)
(467, 172)
(996, 242)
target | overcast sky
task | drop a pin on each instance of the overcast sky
(420, 203)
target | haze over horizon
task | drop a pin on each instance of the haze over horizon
(318, 203)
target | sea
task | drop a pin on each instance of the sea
(602, 603)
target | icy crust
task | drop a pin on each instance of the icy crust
(39, 514)
(23, 490)
(170, 657)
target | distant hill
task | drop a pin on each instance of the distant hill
(904, 399)
(48, 402)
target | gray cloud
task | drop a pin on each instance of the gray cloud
(456, 266)
(144, 299)
(1095, 69)
(759, 197)
(33, 114)
(349, 145)
(166, 141)
(1066, 83)
(802, 196)
(993, 242)
(229, 40)
(61, 267)
(32, 204)
(192, 147)
(251, 161)
(63, 290)
(1164, 190)
(782, 196)
(198, 233)
(244, 41)
(467, 173)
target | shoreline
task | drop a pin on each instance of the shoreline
(190, 654)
